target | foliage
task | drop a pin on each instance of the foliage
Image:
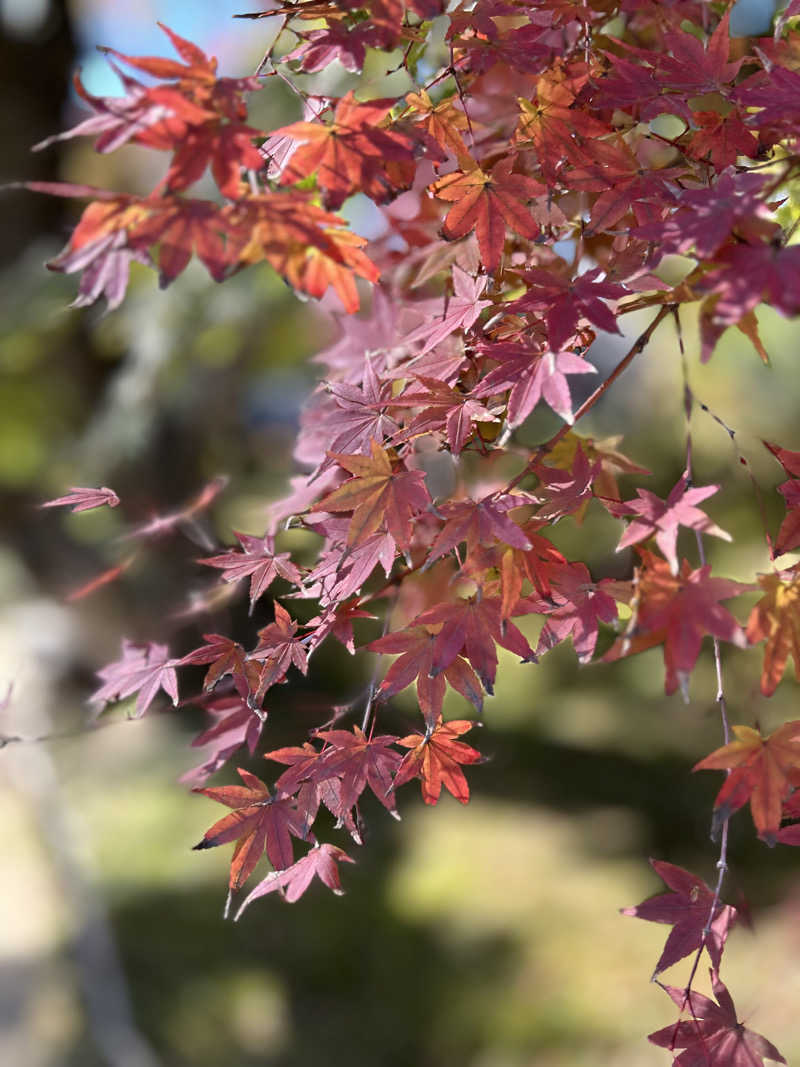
(534, 189)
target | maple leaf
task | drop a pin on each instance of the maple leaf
(224, 655)
(712, 1036)
(235, 725)
(354, 153)
(143, 669)
(552, 124)
(612, 463)
(444, 408)
(687, 910)
(435, 757)
(337, 620)
(258, 561)
(360, 761)
(305, 244)
(531, 376)
(475, 624)
(565, 492)
(745, 273)
(339, 575)
(260, 821)
(180, 226)
(580, 604)
(678, 610)
(763, 770)
(359, 415)
(776, 619)
(321, 862)
(567, 300)
(615, 172)
(378, 493)
(477, 522)
(418, 646)
(80, 499)
(722, 138)
(278, 649)
(789, 534)
(661, 518)
(461, 312)
(442, 121)
(487, 203)
(705, 219)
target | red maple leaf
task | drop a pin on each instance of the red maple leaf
(443, 408)
(563, 492)
(479, 522)
(712, 1036)
(487, 202)
(474, 624)
(613, 170)
(661, 518)
(687, 909)
(278, 649)
(580, 605)
(678, 611)
(256, 561)
(260, 821)
(224, 655)
(80, 499)
(359, 761)
(355, 153)
(418, 647)
(143, 669)
(763, 770)
(568, 300)
(435, 757)
(789, 534)
(321, 862)
(377, 494)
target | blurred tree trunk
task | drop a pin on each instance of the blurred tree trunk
(36, 64)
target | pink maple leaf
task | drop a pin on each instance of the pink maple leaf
(258, 561)
(532, 376)
(661, 518)
(460, 313)
(580, 605)
(235, 724)
(80, 499)
(321, 862)
(143, 669)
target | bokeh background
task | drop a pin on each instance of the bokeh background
(485, 936)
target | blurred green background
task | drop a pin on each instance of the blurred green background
(485, 936)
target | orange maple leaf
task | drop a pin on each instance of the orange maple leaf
(764, 770)
(434, 759)
(487, 202)
(442, 121)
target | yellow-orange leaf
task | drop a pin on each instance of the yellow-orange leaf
(764, 770)
(776, 618)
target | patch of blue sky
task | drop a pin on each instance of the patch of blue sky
(130, 26)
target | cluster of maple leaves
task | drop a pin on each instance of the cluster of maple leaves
(531, 189)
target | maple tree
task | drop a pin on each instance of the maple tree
(530, 200)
